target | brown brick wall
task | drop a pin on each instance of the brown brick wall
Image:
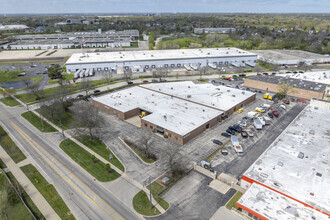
(301, 93)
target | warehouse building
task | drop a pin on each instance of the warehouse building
(291, 57)
(290, 180)
(109, 38)
(139, 61)
(176, 116)
(214, 30)
(302, 88)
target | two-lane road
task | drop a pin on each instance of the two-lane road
(86, 198)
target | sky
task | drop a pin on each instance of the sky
(164, 6)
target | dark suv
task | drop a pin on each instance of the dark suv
(232, 132)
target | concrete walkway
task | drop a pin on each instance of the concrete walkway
(44, 207)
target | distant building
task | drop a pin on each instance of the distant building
(302, 88)
(291, 179)
(73, 21)
(109, 38)
(140, 61)
(13, 27)
(214, 30)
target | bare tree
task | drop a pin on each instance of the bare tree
(128, 74)
(202, 71)
(146, 142)
(304, 66)
(107, 75)
(274, 68)
(258, 69)
(172, 154)
(86, 86)
(284, 89)
(36, 89)
(160, 73)
(87, 115)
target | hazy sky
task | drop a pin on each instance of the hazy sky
(159, 6)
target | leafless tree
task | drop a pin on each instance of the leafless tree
(304, 66)
(258, 69)
(160, 73)
(88, 116)
(107, 75)
(128, 74)
(202, 71)
(173, 154)
(222, 70)
(146, 142)
(86, 86)
(274, 68)
(36, 89)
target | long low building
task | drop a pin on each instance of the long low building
(291, 179)
(306, 89)
(152, 59)
(179, 111)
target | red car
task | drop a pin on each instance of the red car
(145, 81)
(275, 113)
(229, 79)
(286, 101)
(33, 65)
(301, 100)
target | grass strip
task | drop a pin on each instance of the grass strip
(141, 204)
(10, 147)
(10, 101)
(155, 189)
(89, 162)
(232, 202)
(100, 148)
(48, 191)
(36, 122)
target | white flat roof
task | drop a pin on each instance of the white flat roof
(317, 76)
(273, 205)
(280, 167)
(219, 97)
(173, 114)
(129, 56)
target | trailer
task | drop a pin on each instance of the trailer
(212, 65)
(77, 74)
(87, 73)
(234, 140)
(82, 73)
(91, 72)
(267, 120)
(194, 66)
(187, 66)
(239, 150)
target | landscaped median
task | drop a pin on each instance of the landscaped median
(100, 148)
(141, 204)
(232, 202)
(149, 159)
(156, 188)
(99, 170)
(48, 191)
(10, 147)
(36, 122)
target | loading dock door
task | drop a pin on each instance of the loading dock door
(160, 130)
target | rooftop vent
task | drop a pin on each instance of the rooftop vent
(233, 95)
(152, 55)
(243, 92)
(280, 163)
(301, 155)
(228, 90)
(319, 174)
(188, 96)
(172, 88)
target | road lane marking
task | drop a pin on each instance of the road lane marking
(27, 138)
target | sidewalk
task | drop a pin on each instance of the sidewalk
(46, 210)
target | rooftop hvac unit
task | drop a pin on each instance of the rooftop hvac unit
(228, 90)
(152, 55)
(172, 88)
(243, 92)
(188, 96)
(233, 95)
(203, 110)
(189, 87)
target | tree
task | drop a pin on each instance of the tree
(146, 142)
(128, 74)
(160, 73)
(202, 71)
(304, 66)
(284, 89)
(173, 154)
(274, 68)
(86, 86)
(36, 89)
(258, 69)
(87, 115)
(107, 75)
(55, 72)
(3, 203)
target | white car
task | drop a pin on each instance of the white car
(283, 107)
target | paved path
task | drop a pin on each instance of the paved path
(44, 207)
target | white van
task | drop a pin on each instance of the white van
(283, 107)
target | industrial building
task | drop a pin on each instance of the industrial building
(214, 30)
(140, 61)
(290, 180)
(177, 110)
(109, 38)
(291, 57)
(306, 89)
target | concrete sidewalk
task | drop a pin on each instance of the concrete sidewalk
(44, 207)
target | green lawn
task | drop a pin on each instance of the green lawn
(140, 153)
(41, 53)
(96, 168)
(101, 149)
(2, 164)
(10, 76)
(48, 191)
(15, 209)
(9, 101)
(66, 122)
(10, 147)
(67, 76)
(155, 189)
(26, 198)
(141, 204)
(202, 80)
(232, 203)
(35, 121)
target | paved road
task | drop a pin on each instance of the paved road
(86, 198)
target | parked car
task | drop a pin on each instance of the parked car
(97, 91)
(265, 74)
(237, 128)
(33, 65)
(235, 76)
(80, 96)
(225, 134)
(38, 73)
(260, 109)
(301, 71)
(232, 132)
(270, 114)
(154, 80)
(217, 142)
(242, 74)
(224, 151)
(239, 110)
(273, 73)
(286, 101)
(244, 134)
(22, 74)
(258, 74)
(86, 99)
(145, 81)
(129, 82)
(229, 79)
(288, 72)
(162, 80)
(229, 85)
(275, 113)
(301, 100)
(295, 72)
